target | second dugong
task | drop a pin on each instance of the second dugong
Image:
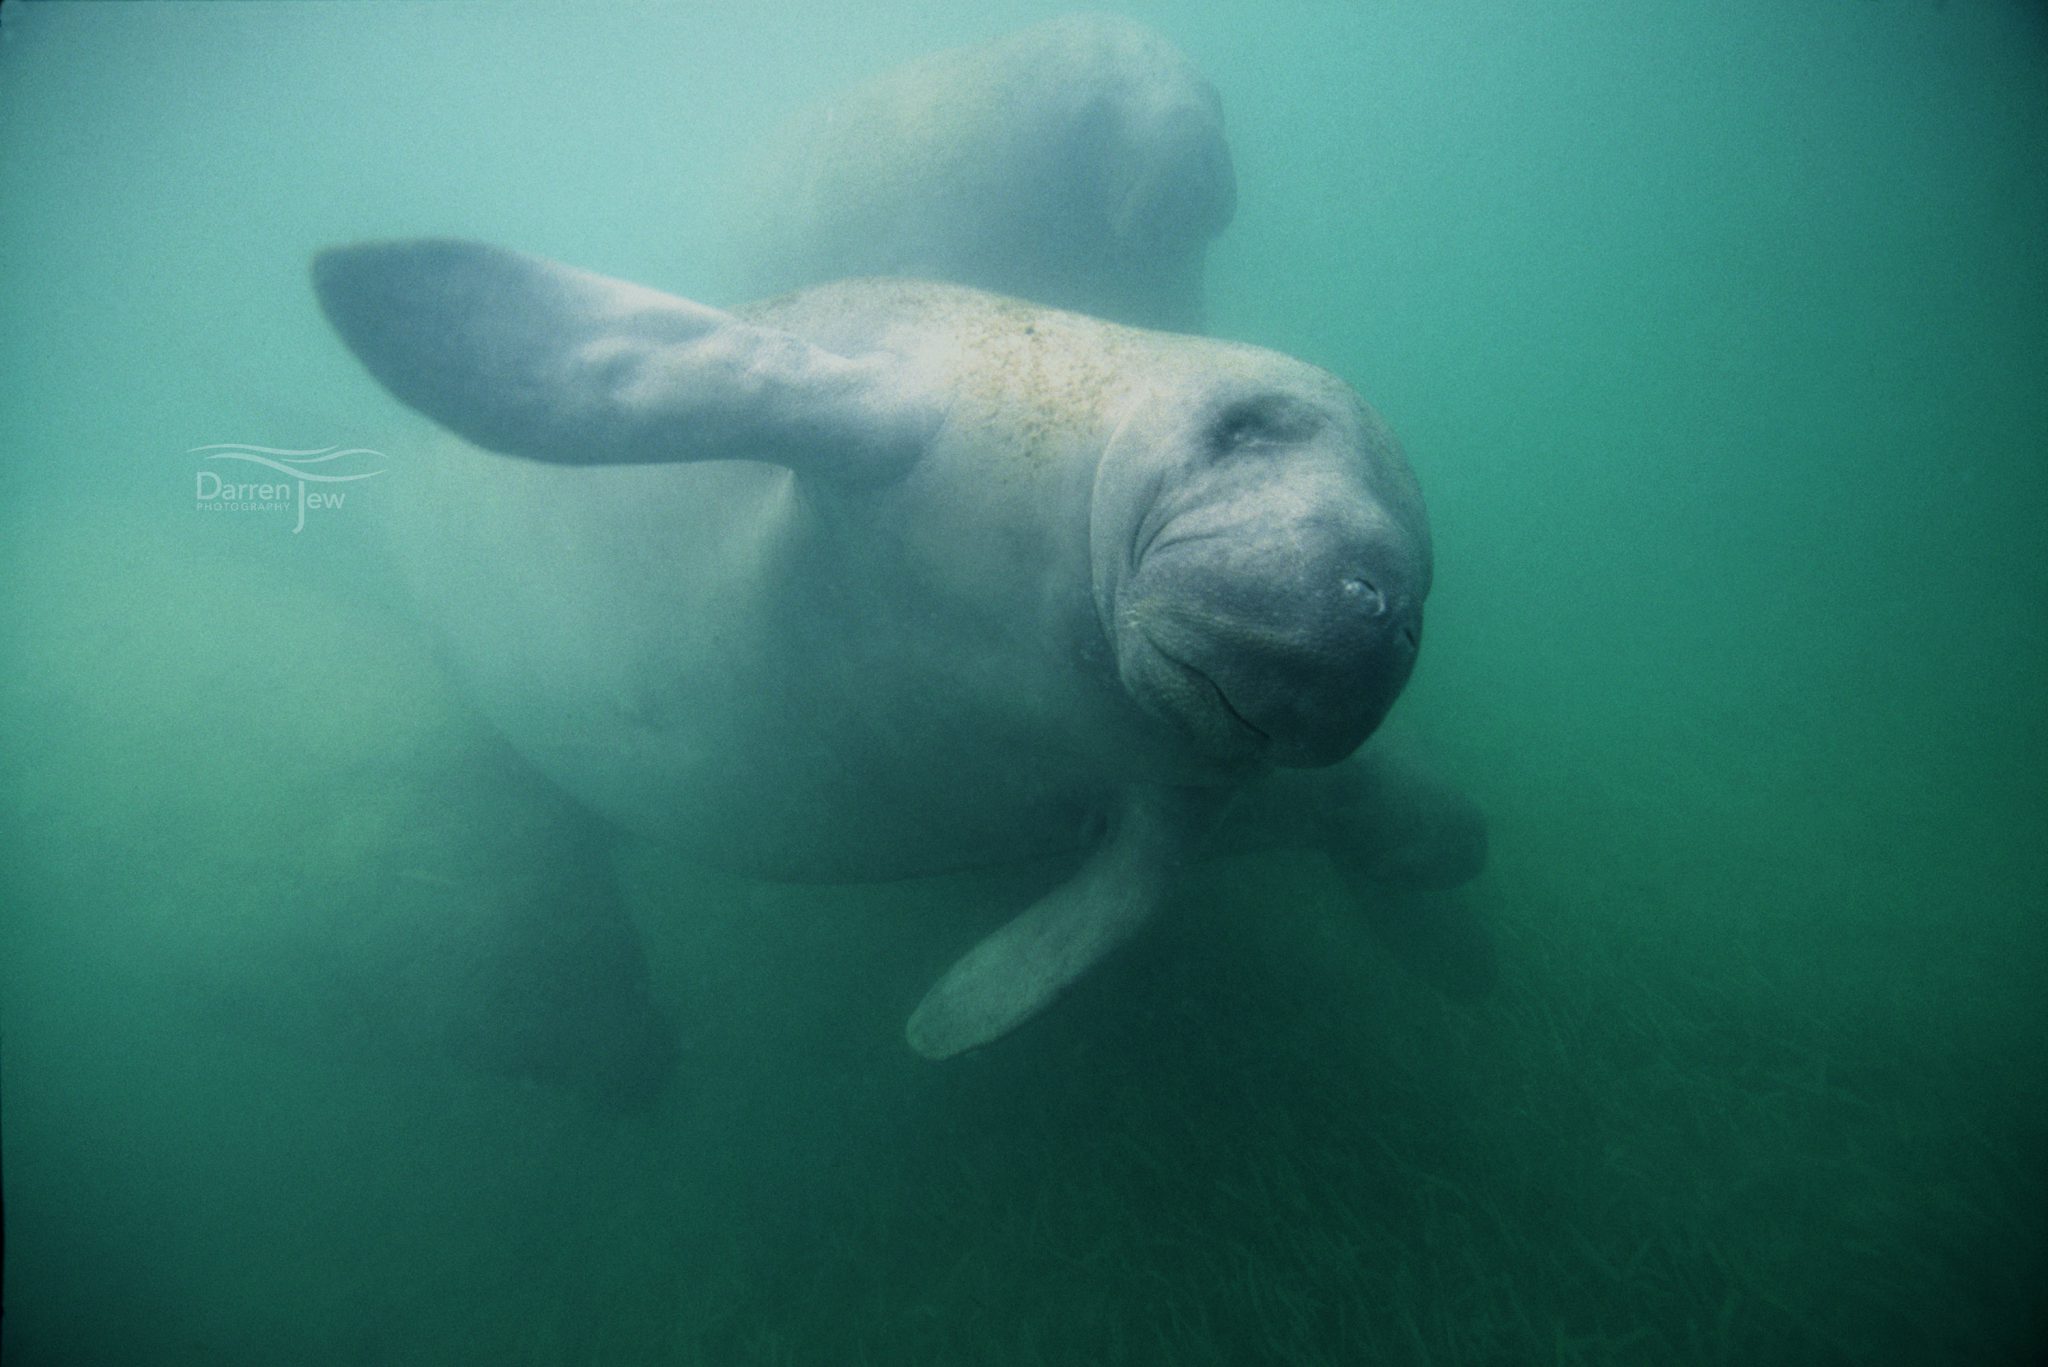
(1079, 163)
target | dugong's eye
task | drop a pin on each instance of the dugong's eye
(1267, 420)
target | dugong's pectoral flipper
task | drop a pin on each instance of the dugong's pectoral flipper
(1402, 838)
(1394, 821)
(1015, 973)
(530, 358)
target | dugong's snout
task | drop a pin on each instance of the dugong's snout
(1274, 651)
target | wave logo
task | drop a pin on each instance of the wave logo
(294, 484)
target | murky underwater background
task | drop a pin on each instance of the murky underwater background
(1716, 333)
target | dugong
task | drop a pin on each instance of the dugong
(888, 577)
(1079, 163)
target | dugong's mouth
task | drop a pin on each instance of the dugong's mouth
(1203, 684)
(1241, 697)
(1161, 675)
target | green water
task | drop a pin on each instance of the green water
(1717, 333)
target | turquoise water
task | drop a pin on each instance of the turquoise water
(1716, 334)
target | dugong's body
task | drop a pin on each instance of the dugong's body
(887, 577)
(1079, 163)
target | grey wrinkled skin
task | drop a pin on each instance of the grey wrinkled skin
(1079, 163)
(929, 579)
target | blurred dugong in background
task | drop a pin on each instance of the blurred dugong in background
(1078, 163)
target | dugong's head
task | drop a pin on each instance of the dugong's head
(1145, 173)
(1260, 557)
(1168, 183)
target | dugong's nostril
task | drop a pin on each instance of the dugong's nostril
(1364, 595)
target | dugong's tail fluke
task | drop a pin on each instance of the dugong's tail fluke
(530, 358)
